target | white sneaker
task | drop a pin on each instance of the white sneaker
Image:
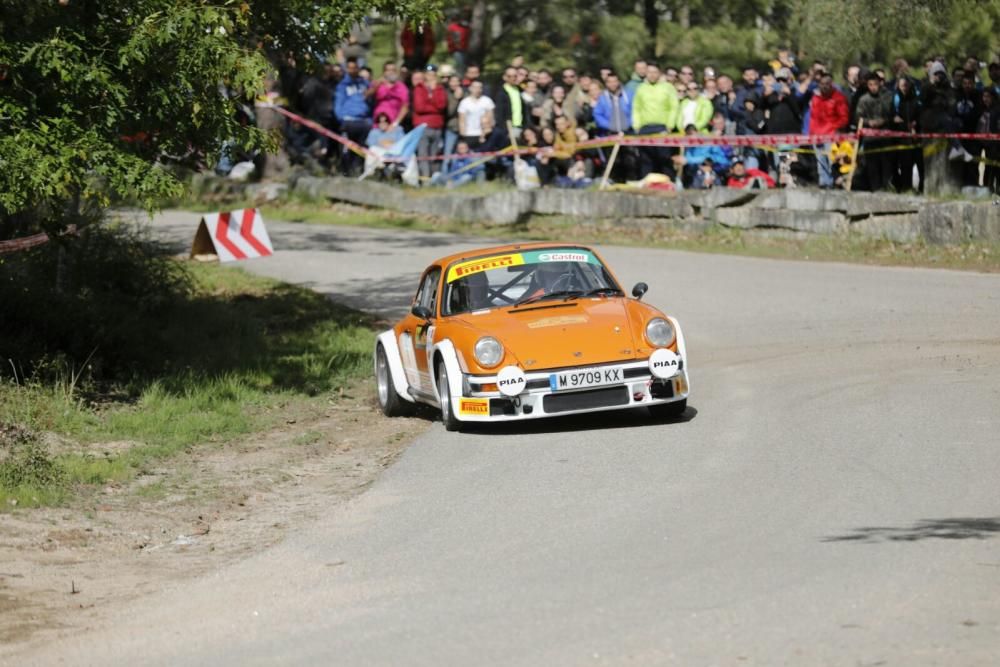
(956, 153)
(969, 157)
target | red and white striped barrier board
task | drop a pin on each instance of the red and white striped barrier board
(231, 236)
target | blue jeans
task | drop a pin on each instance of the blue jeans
(823, 166)
(459, 57)
(429, 146)
(450, 139)
(357, 131)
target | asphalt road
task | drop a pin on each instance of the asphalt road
(833, 497)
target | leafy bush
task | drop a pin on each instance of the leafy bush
(100, 300)
(25, 466)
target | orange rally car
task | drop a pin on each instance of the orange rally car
(527, 331)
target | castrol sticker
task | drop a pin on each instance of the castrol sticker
(664, 363)
(511, 381)
(562, 257)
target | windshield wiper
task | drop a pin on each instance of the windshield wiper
(609, 291)
(551, 295)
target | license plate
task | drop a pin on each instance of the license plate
(585, 377)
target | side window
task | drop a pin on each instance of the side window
(427, 296)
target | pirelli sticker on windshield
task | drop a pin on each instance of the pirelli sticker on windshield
(474, 406)
(477, 265)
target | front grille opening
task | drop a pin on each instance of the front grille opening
(603, 397)
(502, 406)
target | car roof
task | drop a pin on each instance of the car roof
(510, 247)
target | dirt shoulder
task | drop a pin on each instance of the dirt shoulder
(63, 569)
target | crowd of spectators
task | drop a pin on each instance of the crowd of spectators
(549, 113)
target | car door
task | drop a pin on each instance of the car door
(417, 335)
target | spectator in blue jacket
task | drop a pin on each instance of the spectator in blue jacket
(462, 168)
(696, 157)
(350, 105)
(384, 134)
(613, 111)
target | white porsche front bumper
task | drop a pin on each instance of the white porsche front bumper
(482, 402)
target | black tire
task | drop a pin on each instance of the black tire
(448, 418)
(668, 410)
(385, 391)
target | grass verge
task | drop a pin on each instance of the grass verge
(232, 354)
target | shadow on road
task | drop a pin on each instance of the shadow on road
(330, 239)
(968, 528)
(388, 297)
(594, 421)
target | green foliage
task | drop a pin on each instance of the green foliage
(28, 475)
(223, 354)
(113, 318)
(311, 28)
(95, 94)
(870, 32)
(728, 34)
(96, 97)
(137, 316)
(726, 46)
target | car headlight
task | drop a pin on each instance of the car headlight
(489, 351)
(659, 332)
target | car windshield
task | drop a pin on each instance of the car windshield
(518, 278)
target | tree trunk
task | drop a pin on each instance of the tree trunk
(652, 20)
(477, 33)
(684, 15)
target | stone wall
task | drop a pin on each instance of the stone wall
(901, 218)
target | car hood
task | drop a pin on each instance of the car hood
(555, 334)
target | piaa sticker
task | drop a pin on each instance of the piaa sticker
(511, 381)
(664, 363)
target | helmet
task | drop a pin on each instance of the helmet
(471, 292)
(553, 275)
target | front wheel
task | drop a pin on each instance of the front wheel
(668, 410)
(448, 418)
(388, 400)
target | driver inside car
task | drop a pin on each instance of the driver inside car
(471, 293)
(550, 277)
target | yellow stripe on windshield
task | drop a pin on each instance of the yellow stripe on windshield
(478, 265)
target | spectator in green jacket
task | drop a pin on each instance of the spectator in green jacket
(655, 103)
(654, 111)
(695, 109)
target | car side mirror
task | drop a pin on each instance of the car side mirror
(423, 312)
(639, 290)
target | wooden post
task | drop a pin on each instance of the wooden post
(611, 164)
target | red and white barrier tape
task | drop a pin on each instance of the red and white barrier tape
(671, 140)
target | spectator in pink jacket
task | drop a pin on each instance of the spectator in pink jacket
(391, 96)
(829, 113)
